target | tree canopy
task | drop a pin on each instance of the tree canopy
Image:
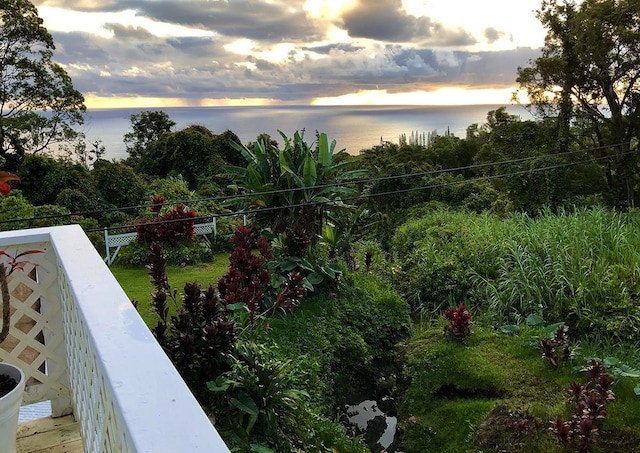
(147, 127)
(588, 75)
(39, 106)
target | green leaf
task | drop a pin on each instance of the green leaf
(220, 385)
(330, 272)
(288, 265)
(315, 278)
(534, 320)
(309, 172)
(636, 390)
(324, 156)
(610, 361)
(308, 285)
(259, 448)
(245, 403)
(509, 328)
(627, 371)
(236, 307)
(353, 174)
(306, 265)
(551, 328)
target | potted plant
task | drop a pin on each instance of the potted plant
(12, 379)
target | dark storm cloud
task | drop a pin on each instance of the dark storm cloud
(260, 21)
(385, 20)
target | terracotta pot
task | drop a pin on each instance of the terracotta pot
(10, 408)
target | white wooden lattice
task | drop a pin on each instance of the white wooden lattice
(78, 335)
(36, 338)
(99, 426)
(117, 241)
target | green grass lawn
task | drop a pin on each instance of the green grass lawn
(136, 282)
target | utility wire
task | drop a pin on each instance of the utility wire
(229, 198)
(363, 196)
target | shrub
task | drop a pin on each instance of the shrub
(172, 228)
(118, 184)
(179, 255)
(53, 215)
(15, 207)
(459, 327)
(577, 267)
(372, 309)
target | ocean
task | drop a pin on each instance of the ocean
(353, 127)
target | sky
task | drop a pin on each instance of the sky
(163, 53)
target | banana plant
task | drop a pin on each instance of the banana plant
(300, 178)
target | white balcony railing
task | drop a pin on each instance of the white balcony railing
(84, 347)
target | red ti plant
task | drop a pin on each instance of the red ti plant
(157, 202)
(591, 400)
(248, 281)
(201, 335)
(14, 263)
(177, 225)
(460, 320)
(557, 347)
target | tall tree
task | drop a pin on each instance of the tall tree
(588, 74)
(147, 127)
(39, 106)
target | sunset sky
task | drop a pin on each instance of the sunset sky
(161, 53)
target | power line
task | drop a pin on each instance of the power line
(227, 198)
(370, 195)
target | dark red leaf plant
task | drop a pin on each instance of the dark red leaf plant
(14, 262)
(459, 323)
(557, 349)
(201, 336)
(248, 282)
(590, 400)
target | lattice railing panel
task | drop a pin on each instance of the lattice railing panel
(122, 239)
(36, 338)
(94, 408)
(68, 310)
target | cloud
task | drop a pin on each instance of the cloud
(385, 20)
(129, 32)
(291, 57)
(274, 21)
(329, 48)
(132, 63)
(492, 35)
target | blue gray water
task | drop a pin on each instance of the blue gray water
(353, 127)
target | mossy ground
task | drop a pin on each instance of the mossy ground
(464, 397)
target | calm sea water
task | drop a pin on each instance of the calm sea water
(353, 127)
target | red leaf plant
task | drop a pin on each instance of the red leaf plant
(460, 320)
(591, 400)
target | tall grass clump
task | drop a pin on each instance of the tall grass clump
(437, 257)
(580, 267)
